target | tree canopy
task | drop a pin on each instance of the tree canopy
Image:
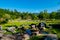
(6, 14)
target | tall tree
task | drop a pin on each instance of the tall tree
(53, 15)
(45, 14)
(58, 14)
(40, 16)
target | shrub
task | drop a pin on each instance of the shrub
(37, 38)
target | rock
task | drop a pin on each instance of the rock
(51, 37)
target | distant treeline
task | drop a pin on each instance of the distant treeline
(6, 14)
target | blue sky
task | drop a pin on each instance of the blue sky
(31, 5)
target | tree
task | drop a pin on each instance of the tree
(53, 15)
(58, 14)
(6, 16)
(40, 16)
(43, 15)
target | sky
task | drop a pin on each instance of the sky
(30, 5)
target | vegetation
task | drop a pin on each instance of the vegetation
(10, 18)
(6, 14)
(37, 38)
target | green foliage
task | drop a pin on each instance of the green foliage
(34, 17)
(43, 15)
(40, 15)
(53, 15)
(9, 14)
(36, 38)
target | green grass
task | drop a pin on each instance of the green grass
(18, 23)
(26, 24)
(57, 32)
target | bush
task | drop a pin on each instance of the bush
(4, 21)
(37, 38)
